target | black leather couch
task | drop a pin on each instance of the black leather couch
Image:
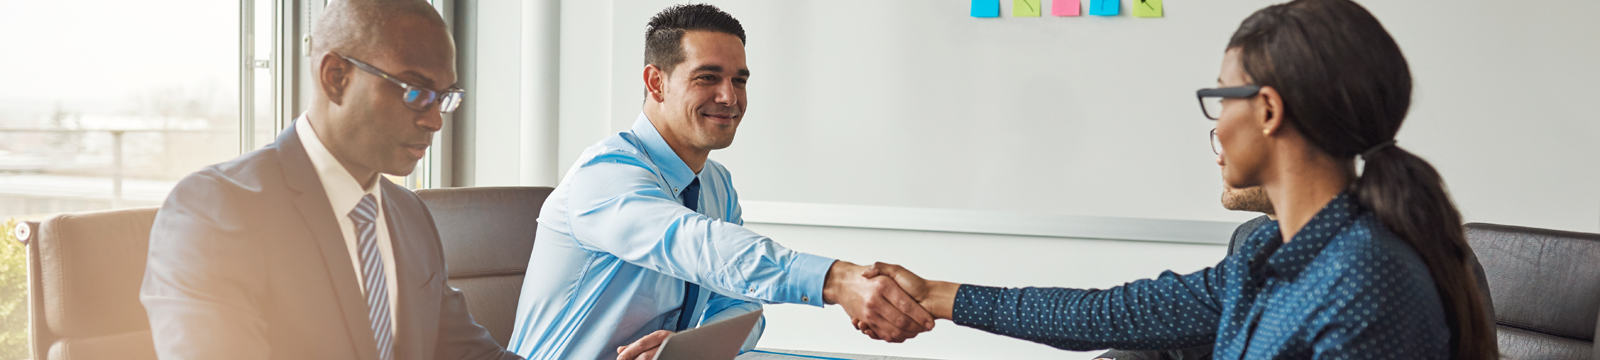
(1546, 289)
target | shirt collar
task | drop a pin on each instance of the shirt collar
(344, 192)
(672, 168)
(1292, 258)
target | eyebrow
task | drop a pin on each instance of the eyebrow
(422, 80)
(718, 68)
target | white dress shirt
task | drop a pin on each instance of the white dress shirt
(344, 192)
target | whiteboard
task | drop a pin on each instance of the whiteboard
(913, 103)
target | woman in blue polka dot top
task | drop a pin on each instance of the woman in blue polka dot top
(1359, 265)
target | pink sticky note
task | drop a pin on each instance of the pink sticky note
(1064, 8)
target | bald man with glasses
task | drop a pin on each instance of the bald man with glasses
(300, 250)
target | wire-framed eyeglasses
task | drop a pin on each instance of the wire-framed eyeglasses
(416, 98)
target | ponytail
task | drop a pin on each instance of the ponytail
(1410, 199)
(1346, 87)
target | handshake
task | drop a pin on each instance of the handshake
(886, 301)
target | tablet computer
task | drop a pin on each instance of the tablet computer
(716, 341)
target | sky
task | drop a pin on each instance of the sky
(100, 55)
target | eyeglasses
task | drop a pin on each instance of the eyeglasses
(1211, 99)
(417, 98)
(1216, 147)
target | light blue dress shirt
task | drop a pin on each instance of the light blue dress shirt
(615, 245)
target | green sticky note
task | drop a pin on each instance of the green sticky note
(1026, 8)
(1146, 8)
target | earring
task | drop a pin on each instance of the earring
(1266, 132)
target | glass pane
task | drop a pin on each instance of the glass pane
(108, 103)
(1212, 106)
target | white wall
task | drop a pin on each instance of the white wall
(506, 130)
(911, 103)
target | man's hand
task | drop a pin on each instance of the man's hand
(645, 348)
(938, 297)
(875, 303)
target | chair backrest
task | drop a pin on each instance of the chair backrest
(488, 236)
(1546, 289)
(84, 272)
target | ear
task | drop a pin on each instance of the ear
(333, 75)
(1271, 104)
(655, 83)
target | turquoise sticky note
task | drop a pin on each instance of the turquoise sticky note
(1064, 8)
(1026, 8)
(985, 8)
(1145, 8)
(1105, 7)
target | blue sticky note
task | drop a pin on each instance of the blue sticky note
(1104, 7)
(985, 8)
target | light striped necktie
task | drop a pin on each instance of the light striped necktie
(365, 217)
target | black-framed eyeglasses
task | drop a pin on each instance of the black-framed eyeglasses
(417, 98)
(1211, 99)
(1216, 147)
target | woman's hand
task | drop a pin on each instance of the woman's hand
(936, 296)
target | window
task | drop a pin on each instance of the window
(108, 103)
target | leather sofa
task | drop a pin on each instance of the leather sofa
(1546, 289)
(85, 269)
(488, 235)
(84, 272)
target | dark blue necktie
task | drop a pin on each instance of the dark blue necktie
(365, 217)
(691, 291)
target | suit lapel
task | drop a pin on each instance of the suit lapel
(417, 305)
(315, 210)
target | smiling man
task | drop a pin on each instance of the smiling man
(643, 237)
(300, 250)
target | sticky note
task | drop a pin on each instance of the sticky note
(1026, 8)
(985, 8)
(1064, 8)
(1105, 7)
(1146, 8)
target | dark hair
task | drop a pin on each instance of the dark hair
(663, 37)
(1346, 87)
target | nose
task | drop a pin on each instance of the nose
(727, 95)
(430, 120)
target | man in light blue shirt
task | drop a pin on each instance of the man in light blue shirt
(644, 236)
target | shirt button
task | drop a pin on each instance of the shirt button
(752, 289)
(805, 299)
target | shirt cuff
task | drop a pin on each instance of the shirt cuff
(806, 274)
(975, 305)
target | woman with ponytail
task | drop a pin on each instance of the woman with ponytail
(1367, 262)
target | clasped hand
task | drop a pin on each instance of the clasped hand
(916, 302)
(884, 301)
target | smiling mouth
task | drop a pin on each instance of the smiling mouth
(721, 118)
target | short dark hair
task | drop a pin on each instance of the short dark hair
(663, 38)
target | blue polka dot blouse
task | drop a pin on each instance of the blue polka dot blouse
(1344, 288)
